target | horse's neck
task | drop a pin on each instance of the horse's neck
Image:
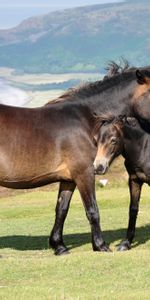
(116, 100)
(114, 96)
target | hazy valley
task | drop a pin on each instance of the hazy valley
(78, 40)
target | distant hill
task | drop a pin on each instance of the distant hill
(80, 39)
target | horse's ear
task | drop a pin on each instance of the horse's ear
(122, 118)
(140, 77)
(131, 121)
(99, 119)
(95, 115)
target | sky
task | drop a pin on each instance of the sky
(12, 12)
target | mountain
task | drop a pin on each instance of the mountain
(79, 39)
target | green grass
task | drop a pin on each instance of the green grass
(29, 270)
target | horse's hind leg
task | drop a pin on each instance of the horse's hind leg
(135, 186)
(64, 196)
(86, 185)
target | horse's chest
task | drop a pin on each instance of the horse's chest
(139, 167)
(143, 173)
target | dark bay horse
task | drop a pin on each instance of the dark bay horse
(55, 143)
(126, 136)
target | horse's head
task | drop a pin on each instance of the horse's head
(108, 133)
(141, 95)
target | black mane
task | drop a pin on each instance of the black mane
(116, 74)
(93, 88)
(114, 68)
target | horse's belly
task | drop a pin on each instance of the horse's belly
(31, 175)
(27, 183)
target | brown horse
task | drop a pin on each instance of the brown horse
(55, 143)
(126, 136)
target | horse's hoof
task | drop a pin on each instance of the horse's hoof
(102, 248)
(61, 251)
(105, 248)
(124, 246)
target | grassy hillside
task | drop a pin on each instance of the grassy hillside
(80, 39)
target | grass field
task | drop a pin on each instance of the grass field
(29, 270)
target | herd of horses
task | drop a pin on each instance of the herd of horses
(75, 136)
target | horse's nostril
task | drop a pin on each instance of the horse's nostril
(101, 168)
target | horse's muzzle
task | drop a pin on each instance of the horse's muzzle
(100, 166)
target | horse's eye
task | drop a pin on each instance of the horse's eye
(113, 140)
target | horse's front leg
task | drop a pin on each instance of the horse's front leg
(86, 185)
(64, 196)
(135, 186)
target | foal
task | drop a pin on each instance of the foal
(132, 140)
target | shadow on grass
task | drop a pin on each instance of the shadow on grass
(22, 242)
